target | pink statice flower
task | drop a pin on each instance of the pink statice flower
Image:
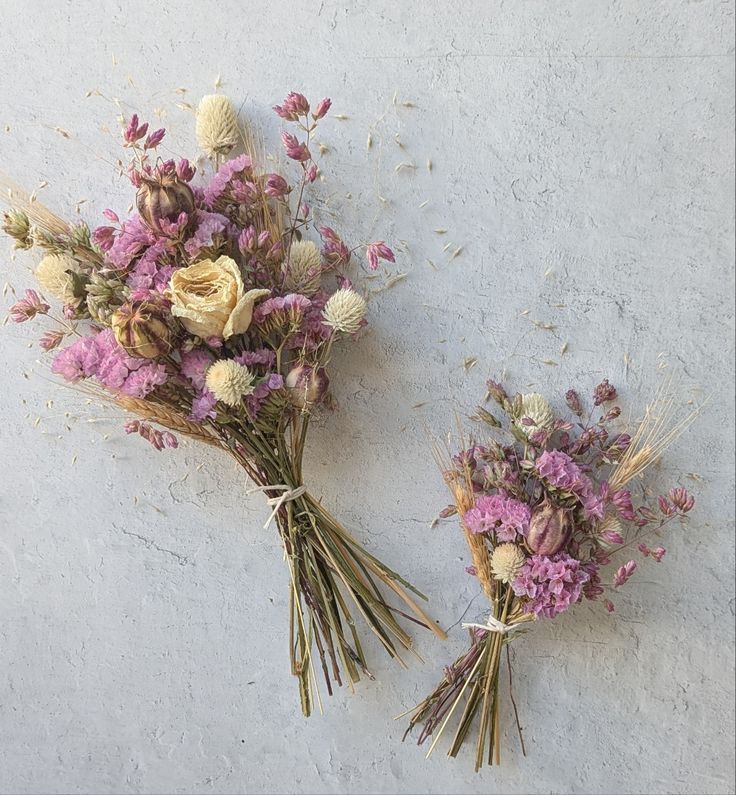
(143, 380)
(134, 236)
(102, 358)
(203, 406)
(551, 584)
(270, 383)
(208, 225)
(28, 307)
(261, 357)
(558, 470)
(499, 514)
(283, 310)
(194, 365)
(237, 168)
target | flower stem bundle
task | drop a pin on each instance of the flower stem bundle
(544, 508)
(212, 313)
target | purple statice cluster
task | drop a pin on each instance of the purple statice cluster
(498, 514)
(102, 358)
(552, 499)
(551, 584)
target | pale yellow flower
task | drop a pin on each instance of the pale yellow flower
(303, 268)
(52, 274)
(229, 381)
(217, 125)
(210, 299)
(536, 408)
(345, 311)
(506, 562)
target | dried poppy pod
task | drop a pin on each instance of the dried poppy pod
(306, 386)
(163, 198)
(141, 328)
(550, 529)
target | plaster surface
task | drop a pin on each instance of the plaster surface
(583, 161)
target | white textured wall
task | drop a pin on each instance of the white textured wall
(583, 159)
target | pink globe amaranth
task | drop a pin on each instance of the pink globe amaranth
(306, 385)
(550, 529)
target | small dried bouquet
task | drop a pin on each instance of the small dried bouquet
(212, 312)
(545, 506)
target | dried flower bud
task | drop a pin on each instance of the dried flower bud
(162, 199)
(550, 529)
(28, 307)
(496, 392)
(506, 562)
(345, 311)
(623, 574)
(217, 125)
(307, 386)
(142, 329)
(573, 402)
(604, 392)
(294, 106)
(17, 225)
(321, 110)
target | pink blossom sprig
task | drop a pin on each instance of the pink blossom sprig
(376, 251)
(28, 307)
(623, 574)
(160, 440)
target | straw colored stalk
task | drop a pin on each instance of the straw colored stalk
(461, 488)
(654, 434)
(166, 417)
(40, 216)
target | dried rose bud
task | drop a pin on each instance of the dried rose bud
(550, 529)
(164, 198)
(142, 329)
(306, 385)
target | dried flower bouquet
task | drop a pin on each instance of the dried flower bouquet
(208, 313)
(543, 510)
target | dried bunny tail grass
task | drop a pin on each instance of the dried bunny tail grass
(654, 434)
(164, 416)
(461, 488)
(40, 216)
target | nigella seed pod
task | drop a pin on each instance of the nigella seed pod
(142, 329)
(306, 386)
(550, 529)
(163, 198)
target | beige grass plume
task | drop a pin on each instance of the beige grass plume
(655, 433)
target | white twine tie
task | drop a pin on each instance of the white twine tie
(494, 625)
(287, 494)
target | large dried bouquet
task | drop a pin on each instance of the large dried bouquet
(545, 505)
(211, 312)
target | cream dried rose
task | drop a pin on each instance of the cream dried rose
(210, 299)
